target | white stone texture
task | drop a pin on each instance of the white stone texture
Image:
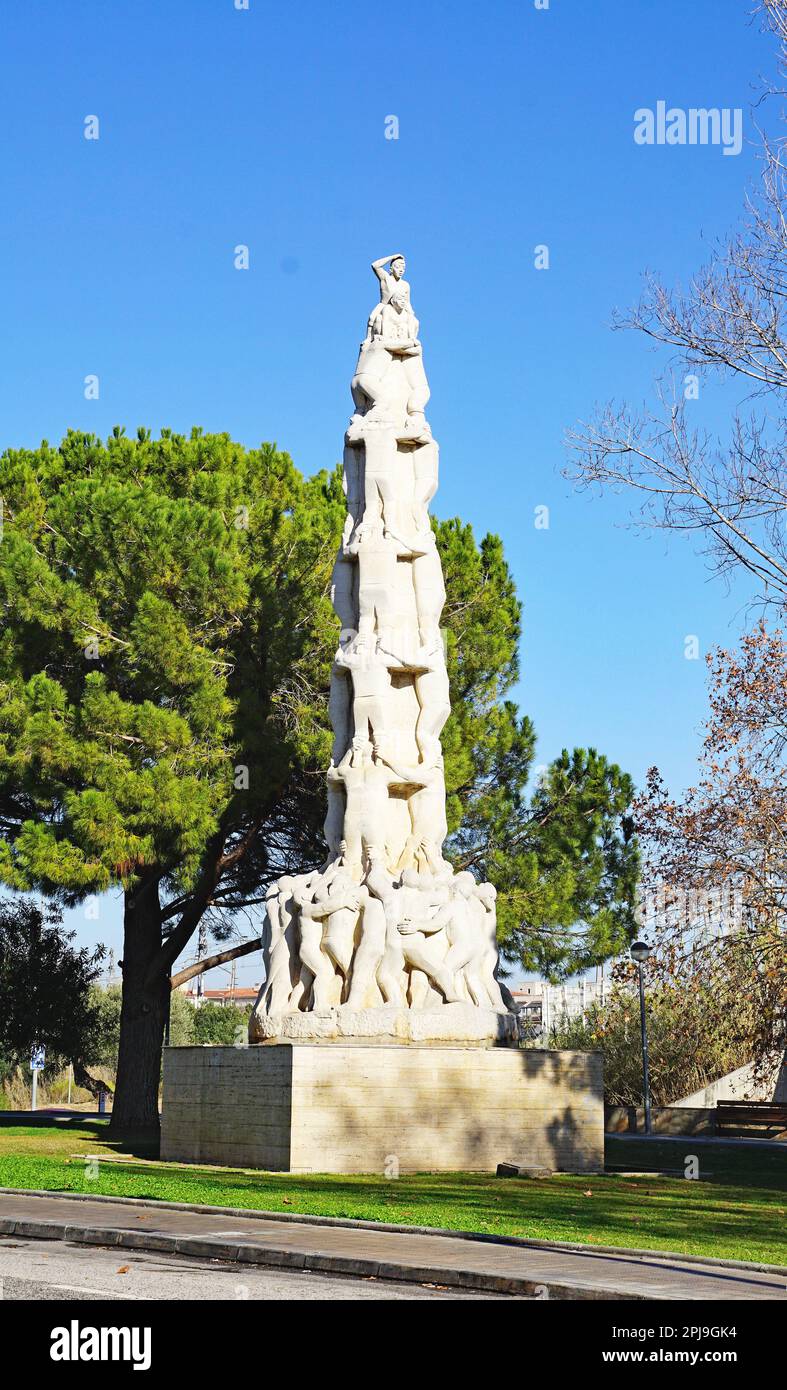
(385, 939)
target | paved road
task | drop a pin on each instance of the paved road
(259, 1240)
(53, 1269)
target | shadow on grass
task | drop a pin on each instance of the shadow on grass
(82, 1132)
(718, 1162)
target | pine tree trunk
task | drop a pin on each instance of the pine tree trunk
(142, 1017)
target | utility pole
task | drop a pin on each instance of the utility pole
(640, 950)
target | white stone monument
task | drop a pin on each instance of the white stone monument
(385, 940)
(379, 1023)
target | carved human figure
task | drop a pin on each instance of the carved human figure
(425, 470)
(395, 290)
(417, 929)
(380, 386)
(377, 559)
(272, 936)
(328, 918)
(431, 692)
(371, 687)
(352, 484)
(284, 952)
(343, 591)
(468, 939)
(386, 503)
(370, 949)
(316, 967)
(333, 828)
(394, 327)
(281, 935)
(434, 704)
(462, 960)
(366, 780)
(389, 969)
(342, 902)
(398, 396)
(429, 596)
(340, 710)
(485, 899)
(390, 273)
(413, 902)
(429, 826)
(426, 808)
(304, 887)
(394, 324)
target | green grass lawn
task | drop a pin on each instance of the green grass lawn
(741, 1213)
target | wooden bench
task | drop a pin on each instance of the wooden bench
(764, 1115)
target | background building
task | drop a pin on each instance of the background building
(543, 1005)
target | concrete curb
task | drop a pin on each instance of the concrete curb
(230, 1252)
(348, 1223)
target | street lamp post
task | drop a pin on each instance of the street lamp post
(640, 950)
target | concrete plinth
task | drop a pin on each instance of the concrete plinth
(464, 1023)
(304, 1107)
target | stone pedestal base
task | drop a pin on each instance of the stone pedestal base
(450, 1023)
(310, 1107)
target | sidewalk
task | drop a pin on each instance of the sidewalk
(543, 1271)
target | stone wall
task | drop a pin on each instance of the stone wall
(218, 1107)
(355, 1108)
(741, 1085)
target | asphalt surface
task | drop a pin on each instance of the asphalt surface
(44, 1270)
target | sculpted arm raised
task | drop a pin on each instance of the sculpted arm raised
(379, 266)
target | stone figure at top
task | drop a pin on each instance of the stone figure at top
(392, 342)
(385, 940)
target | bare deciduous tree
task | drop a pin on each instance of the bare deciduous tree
(717, 856)
(729, 324)
(729, 833)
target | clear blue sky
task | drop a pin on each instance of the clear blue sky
(267, 127)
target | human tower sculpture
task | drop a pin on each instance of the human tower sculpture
(385, 940)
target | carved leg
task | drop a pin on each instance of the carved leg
(315, 959)
(390, 974)
(492, 984)
(353, 827)
(459, 957)
(334, 821)
(417, 384)
(339, 938)
(339, 714)
(369, 953)
(441, 974)
(425, 485)
(475, 984)
(301, 994)
(280, 983)
(432, 691)
(343, 592)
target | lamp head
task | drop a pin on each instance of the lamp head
(640, 950)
